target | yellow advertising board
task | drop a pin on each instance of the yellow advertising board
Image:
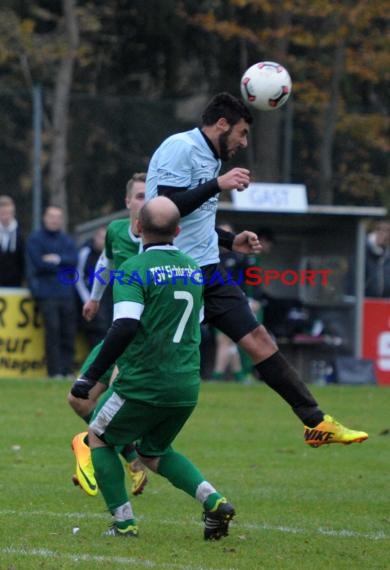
(22, 349)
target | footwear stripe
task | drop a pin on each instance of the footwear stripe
(89, 483)
(341, 533)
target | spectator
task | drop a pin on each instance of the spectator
(257, 298)
(377, 271)
(229, 357)
(50, 250)
(95, 330)
(11, 246)
(207, 351)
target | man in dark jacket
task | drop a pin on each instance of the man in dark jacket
(49, 252)
(11, 246)
(377, 283)
(95, 330)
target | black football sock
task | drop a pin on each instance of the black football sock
(279, 375)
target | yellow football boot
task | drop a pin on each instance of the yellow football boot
(85, 475)
(331, 431)
(137, 472)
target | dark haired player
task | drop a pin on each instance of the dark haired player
(186, 168)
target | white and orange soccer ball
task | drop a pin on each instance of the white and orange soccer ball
(266, 86)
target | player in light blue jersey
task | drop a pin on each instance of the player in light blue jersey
(186, 169)
(190, 147)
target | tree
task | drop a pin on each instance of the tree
(337, 54)
(116, 87)
(60, 108)
(39, 47)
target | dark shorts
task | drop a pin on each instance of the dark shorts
(226, 306)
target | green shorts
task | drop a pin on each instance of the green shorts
(153, 427)
(105, 379)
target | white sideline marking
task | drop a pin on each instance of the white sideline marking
(342, 533)
(10, 512)
(45, 553)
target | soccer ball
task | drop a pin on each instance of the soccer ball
(266, 85)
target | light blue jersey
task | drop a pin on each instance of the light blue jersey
(185, 160)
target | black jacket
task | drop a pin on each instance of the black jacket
(377, 278)
(12, 264)
(45, 279)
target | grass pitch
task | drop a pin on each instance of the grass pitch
(297, 507)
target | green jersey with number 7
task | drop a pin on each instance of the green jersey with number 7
(168, 333)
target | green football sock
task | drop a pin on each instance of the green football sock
(212, 500)
(128, 452)
(239, 376)
(125, 524)
(110, 476)
(217, 376)
(180, 472)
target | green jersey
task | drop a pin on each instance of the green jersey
(160, 366)
(121, 243)
(105, 379)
